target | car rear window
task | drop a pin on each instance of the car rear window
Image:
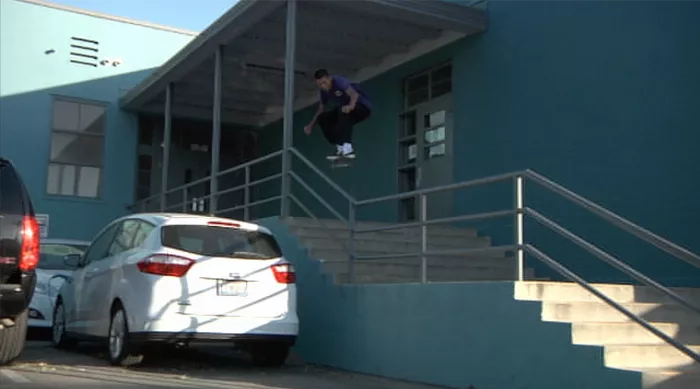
(52, 262)
(214, 241)
(62, 248)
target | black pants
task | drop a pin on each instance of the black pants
(337, 126)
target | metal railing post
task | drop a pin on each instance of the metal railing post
(423, 238)
(167, 134)
(288, 116)
(519, 219)
(351, 243)
(216, 129)
(246, 194)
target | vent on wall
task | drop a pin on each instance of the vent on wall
(83, 51)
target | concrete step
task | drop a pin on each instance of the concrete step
(505, 264)
(343, 234)
(604, 334)
(341, 255)
(334, 224)
(670, 380)
(571, 292)
(445, 275)
(582, 312)
(647, 357)
(406, 245)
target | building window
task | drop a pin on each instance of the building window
(77, 148)
(428, 85)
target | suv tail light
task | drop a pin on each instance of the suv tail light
(284, 273)
(29, 256)
(165, 265)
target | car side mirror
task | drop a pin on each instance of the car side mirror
(73, 260)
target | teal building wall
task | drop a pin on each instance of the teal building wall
(29, 77)
(599, 96)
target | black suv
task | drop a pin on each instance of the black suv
(19, 255)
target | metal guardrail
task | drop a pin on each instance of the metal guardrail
(518, 212)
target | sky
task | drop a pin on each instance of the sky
(194, 15)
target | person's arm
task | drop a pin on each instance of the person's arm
(354, 96)
(319, 111)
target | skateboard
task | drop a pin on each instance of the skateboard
(341, 162)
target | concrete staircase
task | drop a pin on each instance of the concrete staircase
(327, 244)
(626, 345)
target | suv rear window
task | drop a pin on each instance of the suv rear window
(12, 194)
(212, 241)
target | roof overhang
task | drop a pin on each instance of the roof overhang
(359, 39)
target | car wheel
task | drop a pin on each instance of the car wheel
(119, 347)
(12, 339)
(269, 354)
(59, 338)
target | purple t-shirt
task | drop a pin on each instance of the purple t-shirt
(338, 95)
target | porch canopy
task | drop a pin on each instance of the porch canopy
(359, 39)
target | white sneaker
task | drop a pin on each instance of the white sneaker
(347, 151)
(338, 153)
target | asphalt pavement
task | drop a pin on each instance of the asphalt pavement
(42, 366)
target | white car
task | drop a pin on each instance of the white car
(50, 275)
(179, 279)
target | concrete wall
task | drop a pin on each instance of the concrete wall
(28, 78)
(450, 334)
(601, 97)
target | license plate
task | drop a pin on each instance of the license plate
(231, 288)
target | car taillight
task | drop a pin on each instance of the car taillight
(284, 273)
(165, 265)
(29, 256)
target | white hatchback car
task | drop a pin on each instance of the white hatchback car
(51, 272)
(180, 279)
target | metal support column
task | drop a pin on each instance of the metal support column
(519, 225)
(423, 238)
(216, 132)
(167, 131)
(288, 120)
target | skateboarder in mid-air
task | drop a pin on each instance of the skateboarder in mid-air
(351, 106)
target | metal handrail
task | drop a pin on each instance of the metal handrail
(217, 175)
(441, 188)
(611, 260)
(559, 268)
(521, 211)
(444, 220)
(634, 229)
(318, 197)
(318, 172)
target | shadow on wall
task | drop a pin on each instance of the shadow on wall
(25, 131)
(450, 334)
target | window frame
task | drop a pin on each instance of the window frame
(116, 225)
(140, 223)
(61, 165)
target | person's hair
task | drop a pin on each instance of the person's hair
(320, 73)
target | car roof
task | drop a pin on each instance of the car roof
(160, 218)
